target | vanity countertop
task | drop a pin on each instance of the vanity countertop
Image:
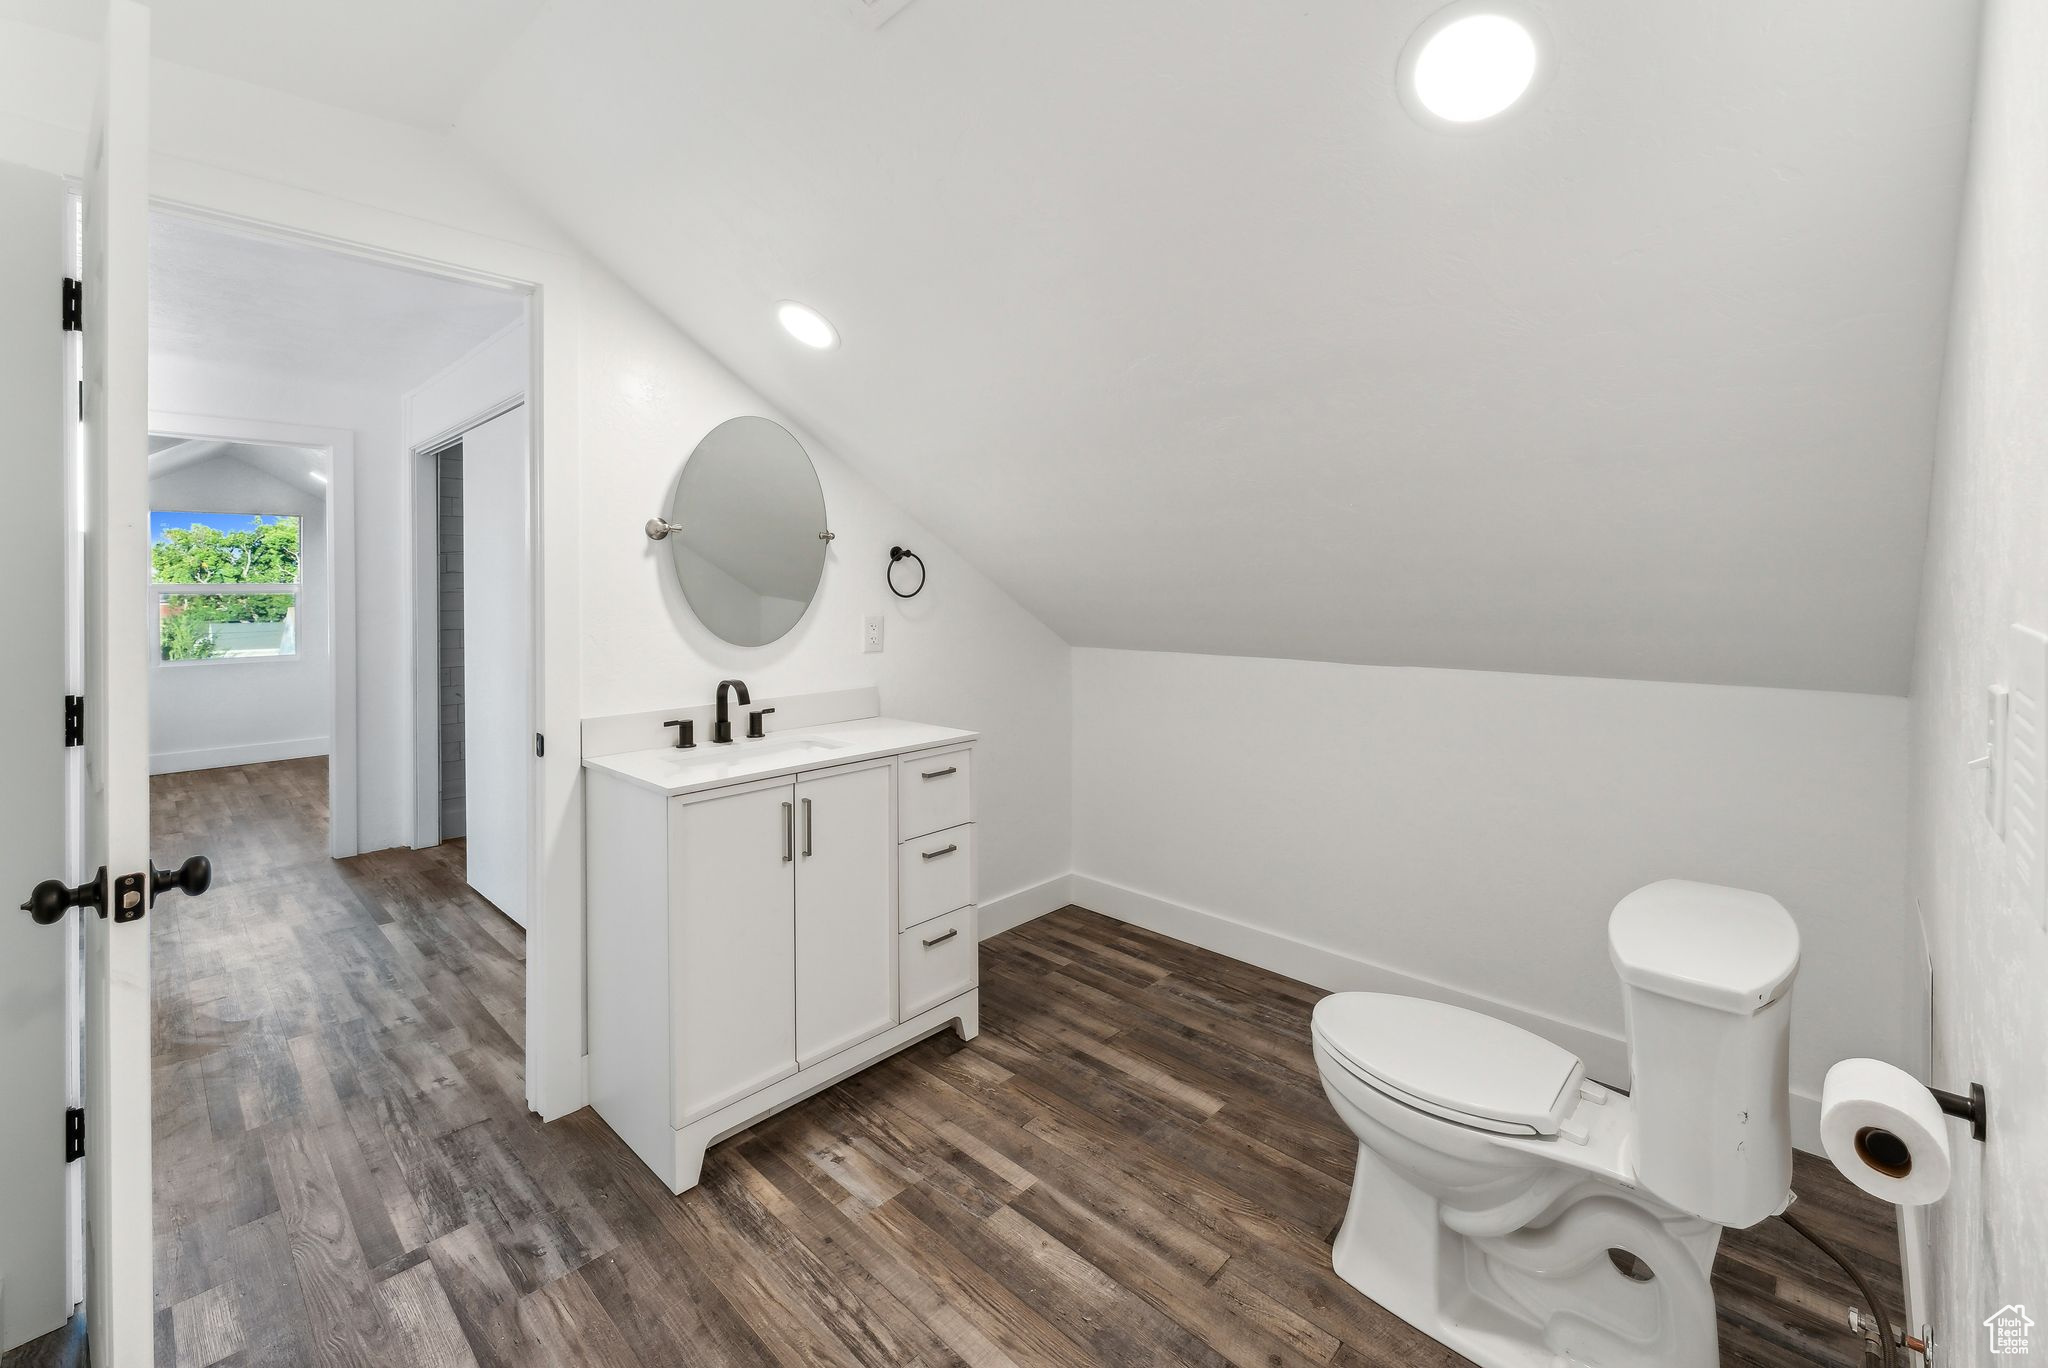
(667, 770)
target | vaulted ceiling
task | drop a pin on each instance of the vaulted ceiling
(1175, 317)
(1171, 316)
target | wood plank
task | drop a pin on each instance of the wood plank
(424, 1329)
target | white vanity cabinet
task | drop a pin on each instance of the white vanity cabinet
(752, 938)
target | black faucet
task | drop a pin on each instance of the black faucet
(721, 731)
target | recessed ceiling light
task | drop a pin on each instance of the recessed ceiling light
(1472, 61)
(807, 325)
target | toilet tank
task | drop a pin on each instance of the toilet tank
(1706, 977)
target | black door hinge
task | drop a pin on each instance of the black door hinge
(74, 1134)
(74, 305)
(74, 720)
(540, 744)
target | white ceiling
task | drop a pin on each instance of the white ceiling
(410, 60)
(284, 308)
(1173, 313)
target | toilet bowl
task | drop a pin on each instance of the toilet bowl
(1530, 1218)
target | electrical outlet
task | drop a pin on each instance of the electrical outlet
(871, 635)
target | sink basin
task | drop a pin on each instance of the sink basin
(783, 745)
(720, 762)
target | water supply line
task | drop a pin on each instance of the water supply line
(1888, 1349)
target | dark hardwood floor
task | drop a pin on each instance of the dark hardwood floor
(1133, 1164)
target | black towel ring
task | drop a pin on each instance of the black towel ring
(900, 553)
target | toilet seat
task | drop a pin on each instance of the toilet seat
(1460, 1065)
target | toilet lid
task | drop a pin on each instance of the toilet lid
(1461, 1065)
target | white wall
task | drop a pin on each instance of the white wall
(962, 653)
(1466, 834)
(236, 712)
(1987, 567)
(383, 777)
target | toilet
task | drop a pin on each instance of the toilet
(1528, 1217)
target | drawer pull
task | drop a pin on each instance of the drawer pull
(941, 940)
(934, 854)
(940, 774)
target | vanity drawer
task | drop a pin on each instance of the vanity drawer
(936, 961)
(935, 874)
(932, 792)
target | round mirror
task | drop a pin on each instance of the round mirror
(746, 531)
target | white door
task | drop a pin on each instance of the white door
(732, 943)
(34, 1087)
(497, 659)
(115, 835)
(845, 910)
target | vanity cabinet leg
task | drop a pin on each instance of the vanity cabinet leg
(967, 1025)
(689, 1161)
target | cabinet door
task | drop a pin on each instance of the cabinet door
(732, 919)
(845, 909)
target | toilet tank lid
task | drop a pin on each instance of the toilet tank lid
(1725, 948)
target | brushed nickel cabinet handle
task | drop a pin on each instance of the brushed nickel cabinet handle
(941, 940)
(940, 774)
(934, 854)
(788, 836)
(807, 828)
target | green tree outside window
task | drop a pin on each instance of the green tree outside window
(266, 553)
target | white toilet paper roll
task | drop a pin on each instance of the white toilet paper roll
(1883, 1129)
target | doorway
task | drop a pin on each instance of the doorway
(347, 998)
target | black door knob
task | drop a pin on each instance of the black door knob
(52, 898)
(191, 878)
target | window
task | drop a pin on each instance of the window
(225, 585)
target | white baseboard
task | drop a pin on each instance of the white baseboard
(1605, 1053)
(220, 757)
(998, 915)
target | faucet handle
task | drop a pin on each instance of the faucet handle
(686, 732)
(754, 732)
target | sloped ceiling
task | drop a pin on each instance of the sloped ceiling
(1169, 313)
(295, 466)
(1175, 316)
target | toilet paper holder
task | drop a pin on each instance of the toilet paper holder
(1970, 1108)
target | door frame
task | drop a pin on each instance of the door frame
(422, 613)
(555, 1070)
(338, 445)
